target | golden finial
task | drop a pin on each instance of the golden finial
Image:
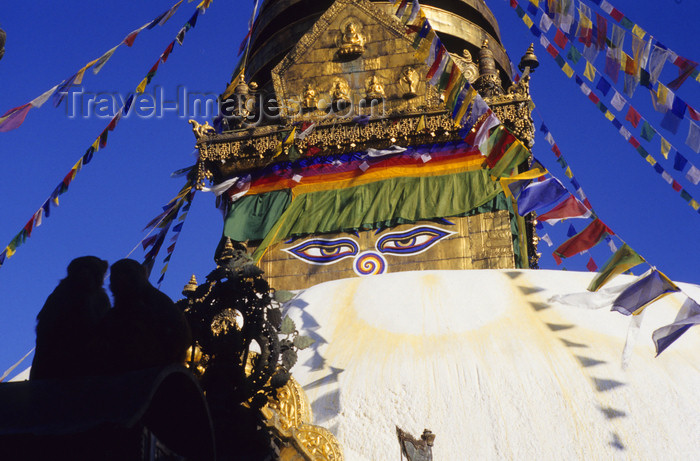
(485, 43)
(191, 286)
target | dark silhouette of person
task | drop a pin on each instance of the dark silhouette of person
(67, 323)
(144, 328)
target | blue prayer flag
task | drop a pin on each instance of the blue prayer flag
(644, 291)
(540, 194)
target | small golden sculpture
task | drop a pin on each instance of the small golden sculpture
(309, 101)
(375, 90)
(201, 130)
(352, 43)
(340, 91)
(409, 81)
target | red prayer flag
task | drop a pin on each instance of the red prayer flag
(129, 40)
(569, 208)
(602, 25)
(617, 14)
(556, 150)
(593, 98)
(591, 266)
(693, 114)
(633, 116)
(584, 240)
(634, 142)
(168, 50)
(677, 187)
(560, 39)
(436, 64)
(553, 51)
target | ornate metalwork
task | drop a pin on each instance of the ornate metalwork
(201, 131)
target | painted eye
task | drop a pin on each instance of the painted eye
(412, 241)
(323, 251)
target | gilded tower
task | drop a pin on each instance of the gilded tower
(338, 155)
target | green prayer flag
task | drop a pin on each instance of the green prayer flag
(623, 260)
(647, 131)
(574, 55)
(516, 154)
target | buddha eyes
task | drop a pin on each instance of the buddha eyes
(323, 251)
(329, 251)
(412, 241)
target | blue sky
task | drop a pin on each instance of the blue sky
(125, 185)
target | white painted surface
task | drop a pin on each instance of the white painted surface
(483, 361)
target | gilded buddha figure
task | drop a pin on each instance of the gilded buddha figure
(409, 82)
(309, 100)
(340, 90)
(374, 89)
(352, 43)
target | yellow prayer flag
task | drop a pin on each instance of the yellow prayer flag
(650, 159)
(55, 200)
(205, 4)
(568, 70)
(535, 2)
(78, 166)
(638, 31)
(609, 115)
(423, 50)
(142, 86)
(661, 94)
(568, 172)
(9, 252)
(528, 22)
(96, 144)
(665, 148)
(694, 204)
(697, 77)
(589, 73)
(81, 73)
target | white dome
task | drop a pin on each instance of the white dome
(495, 371)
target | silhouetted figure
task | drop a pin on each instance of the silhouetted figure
(66, 325)
(144, 329)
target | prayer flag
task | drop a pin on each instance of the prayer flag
(686, 68)
(541, 194)
(570, 208)
(592, 266)
(40, 100)
(560, 39)
(687, 316)
(545, 23)
(612, 66)
(693, 139)
(647, 131)
(665, 147)
(657, 59)
(547, 239)
(589, 72)
(584, 240)
(604, 86)
(573, 54)
(647, 289)
(633, 117)
(602, 30)
(516, 154)
(14, 117)
(671, 122)
(623, 260)
(693, 175)
(497, 144)
(571, 231)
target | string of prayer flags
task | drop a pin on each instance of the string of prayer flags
(645, 290)
(62, 187)
(584, 240)
(542, 194)
(648, 134)
(624, 259)
(13, 118)
(687, 316)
